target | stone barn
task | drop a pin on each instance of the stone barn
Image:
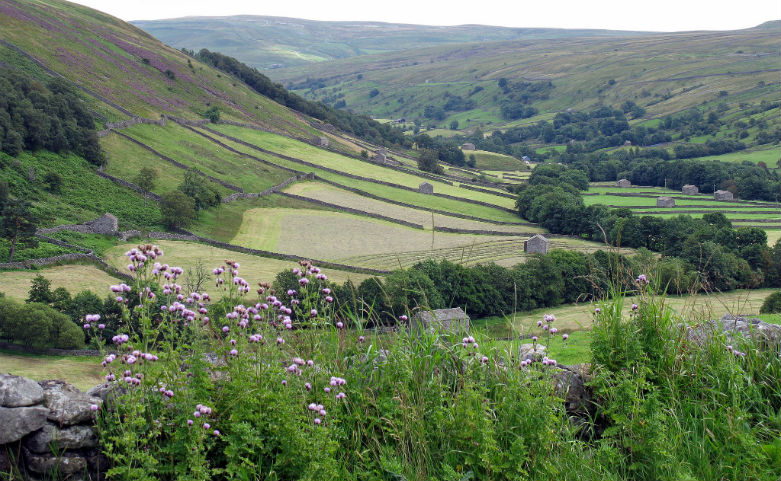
(723, 195)
(321, 141)
(449, 320)
(426, 188)
(665, 202)
(380, 158)
(624, 183)
(536, 245)
(468, 146)
(690, 189)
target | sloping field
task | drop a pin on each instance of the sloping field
(335, 236)
(192, 150)
(365, 242)
(73, 277)
(331, 160)
(333, 195)
(390, 192)
(126, 159)
(127, 72)
(492, 161)
(187, 254)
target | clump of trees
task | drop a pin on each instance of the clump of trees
(45, 115)
(727, 258)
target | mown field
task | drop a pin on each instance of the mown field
(333, 195)
(73, 277)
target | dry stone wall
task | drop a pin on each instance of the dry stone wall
(48, 428)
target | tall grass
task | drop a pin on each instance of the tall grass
(427, 405)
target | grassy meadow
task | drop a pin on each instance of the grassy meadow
(73, 277)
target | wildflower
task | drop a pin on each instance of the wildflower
(361, 339)
(234, 352)
(317, 421)
(86, 326)
(206, 425)
(634, 307)
(339, 325)
(303, 281)
(341, 395)
(597, 310)
(313, 313)
(642, 279)
(484, 359)
(101, 326)
(403, 318)
(539, 323)
(326, 291)
(93, 407)
(322, 412)
(284, 382)
(327, 389)
(189, 422)
(308, 386)
(226, 329)
(534, 338)
(216, 432)
(565, 336)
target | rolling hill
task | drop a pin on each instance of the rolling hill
(663, 73)
(278, 42)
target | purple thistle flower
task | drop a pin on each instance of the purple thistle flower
(317, 421)
(94, 407)
(308, 386)
(206, 425)
(565, 336)
(339, 325)
(284, 382)
(189, 422)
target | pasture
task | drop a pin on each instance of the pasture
(492, 161)
(395, 193)
(578, 317)
(81, 371)
(331, 160)
(73, 277)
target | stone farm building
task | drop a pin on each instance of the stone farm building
(321, 141)
(690, 189)
(665, 202)
(380, 157)
(623, 183)
(536, 245)
(426, 188)
(453, 320)
(468, 146)
(723, 195)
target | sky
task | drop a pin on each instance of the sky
(649, 15)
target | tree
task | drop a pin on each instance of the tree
(195, 186)
(146, 179)
(18, 225)
(53, 182)
(213, 114)
(428, 162)
(454, 125)
(178, 209)
(40, 290)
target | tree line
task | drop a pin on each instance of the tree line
(45, 115)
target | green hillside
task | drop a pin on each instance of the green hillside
(123, 70)
(276, 42)
(663, 73)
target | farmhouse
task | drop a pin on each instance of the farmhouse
(723, 195)
(536, 245)
(452, 320)
(526, 159)
(426, 188)
(665, 202)
(624, 183)
(690, 189)
(468, 146)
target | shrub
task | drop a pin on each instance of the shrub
(771, 304)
